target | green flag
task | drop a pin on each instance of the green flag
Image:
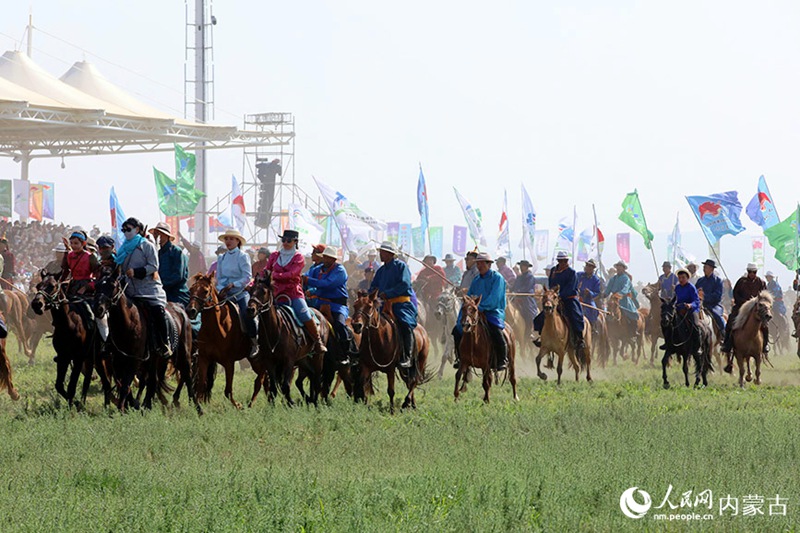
(173, 201)
(185, 165)
(784, 238)
(6, 198)
(633, 216)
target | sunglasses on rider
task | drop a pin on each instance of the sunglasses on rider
(288, 239)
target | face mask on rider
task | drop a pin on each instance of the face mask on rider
(129, 233)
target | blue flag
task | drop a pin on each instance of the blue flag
(422, 201)
(718, 214)
(761, 208)
(117, 218)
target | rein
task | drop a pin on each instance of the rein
(377, 326)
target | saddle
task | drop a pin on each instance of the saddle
(152, 336)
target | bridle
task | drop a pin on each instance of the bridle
(369, 316)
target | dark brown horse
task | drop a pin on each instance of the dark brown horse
(380, 351)
(5, 373)
(74, 339)
(131, 348)
(624, 333)
(221, 340)
(283, 346)
(475, 349)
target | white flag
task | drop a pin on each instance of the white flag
(473, 218)
(22, 193)
(302, 221)
(528, 223)
(503, 239)
(237, 205)
(357, 227)
(542, 238)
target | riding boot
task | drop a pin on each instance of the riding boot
(344, 348)
(162, 332)
(313, 332)
(456, 343)
(407, 334)
(253, 348)
(502, 351)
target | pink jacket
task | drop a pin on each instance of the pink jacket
(286, 279)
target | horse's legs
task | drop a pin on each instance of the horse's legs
(487, 383)
(512, 377)
(577, 366)
(72, 386)
(560, 367)
(458, 379)
(336, 385)
(88, 368)
(390, 388)
(686, 369)
(740, 364)
(664, 365)
(298, 383)
(758, 369)
(539, 372)
(257, 384)
(286, 379)
(228, 366)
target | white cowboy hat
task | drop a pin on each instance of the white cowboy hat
(561, 255)
(752, 267)
(621, 263)
(388, 246)
(330, 251)
(484, 256)
(232, 233)
(162, 227)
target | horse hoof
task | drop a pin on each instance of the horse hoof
(542, 376)
(728, 369)
(13, 394)
(748, 378)
(666, 385)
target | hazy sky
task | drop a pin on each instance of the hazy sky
(582, 103)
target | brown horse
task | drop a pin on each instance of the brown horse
(6, 381)
(380, 351)
(555, 339)
(13, 305)
(652, 327)
(796, 322)
(221, 339)
(748, 338)
(475, 349)
(34, 327)
(284, 346)
(132, 350)
(623, 332)
(518, 325)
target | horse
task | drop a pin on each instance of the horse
(6, 381)
(380, 351)
(284, 345)
(796, 322)
(75, 339)
(446, 313)
(34, 327)
(779, 332)
(680, 333)
(623, 332)
(476, 349)
(13, 305)
(653, 326)
(521, 329)
(221, 339)
(748, 339)
(555, 338)
(129, 343)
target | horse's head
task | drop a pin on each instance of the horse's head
(444, 304)
(365, 311)
(550, 300)
(612, 305)
(260, 295)
(667, 311)
(470, 314)
(48, 292)
(651, 291)
(202, 293)
(764, 307)
(108, 290)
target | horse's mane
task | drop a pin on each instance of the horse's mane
(748, 307)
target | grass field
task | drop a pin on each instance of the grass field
(558, 460)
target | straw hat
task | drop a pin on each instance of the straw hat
(388, 246)
(232, 233)
(164, 229)
(330, 251)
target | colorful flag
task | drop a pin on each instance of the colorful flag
(238, 210)
(216, 226)
(36, 201)
(528, 223)
(761, 208)
(633, 215)
(22, 195)
(422, 202)
(566, 233)
(784, 238)
(48, 199)
(503, 240)
(717, 214)
(6, 198)
(437, 241)
(172, 200)
(355, 225)
(624, 246)
(674, 243)
(309, 230)
(758, 251)
(542, 240)
(459, 240)
(586, 248)
(392, 231)
(474, 220)
(185, 166)
(418, 241)
(404, 238)
(117, 218)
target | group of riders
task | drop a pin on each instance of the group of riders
(156, 271)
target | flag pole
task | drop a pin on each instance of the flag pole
(710, 246)
(574, 232)
(644, 219)
(603, 273)
(796, 236)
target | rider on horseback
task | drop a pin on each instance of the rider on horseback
(525, 283)
(667, 281)
(173, 265)
(471, 271)
(491, 287)
(566, 279)
(776, 291)
(621, 284)
(79, 265)
(748, 286)
(139, 261)
(393, 283)
(590, 286)
(330, 284)
(711, 285)
(286, 265)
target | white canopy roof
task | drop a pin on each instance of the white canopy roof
(84, 113)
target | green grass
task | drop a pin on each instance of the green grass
(558, 460)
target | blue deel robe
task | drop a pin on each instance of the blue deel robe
(491, 287)
(393, 279)
(712, 298)
(621, 284)
(589, 288)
